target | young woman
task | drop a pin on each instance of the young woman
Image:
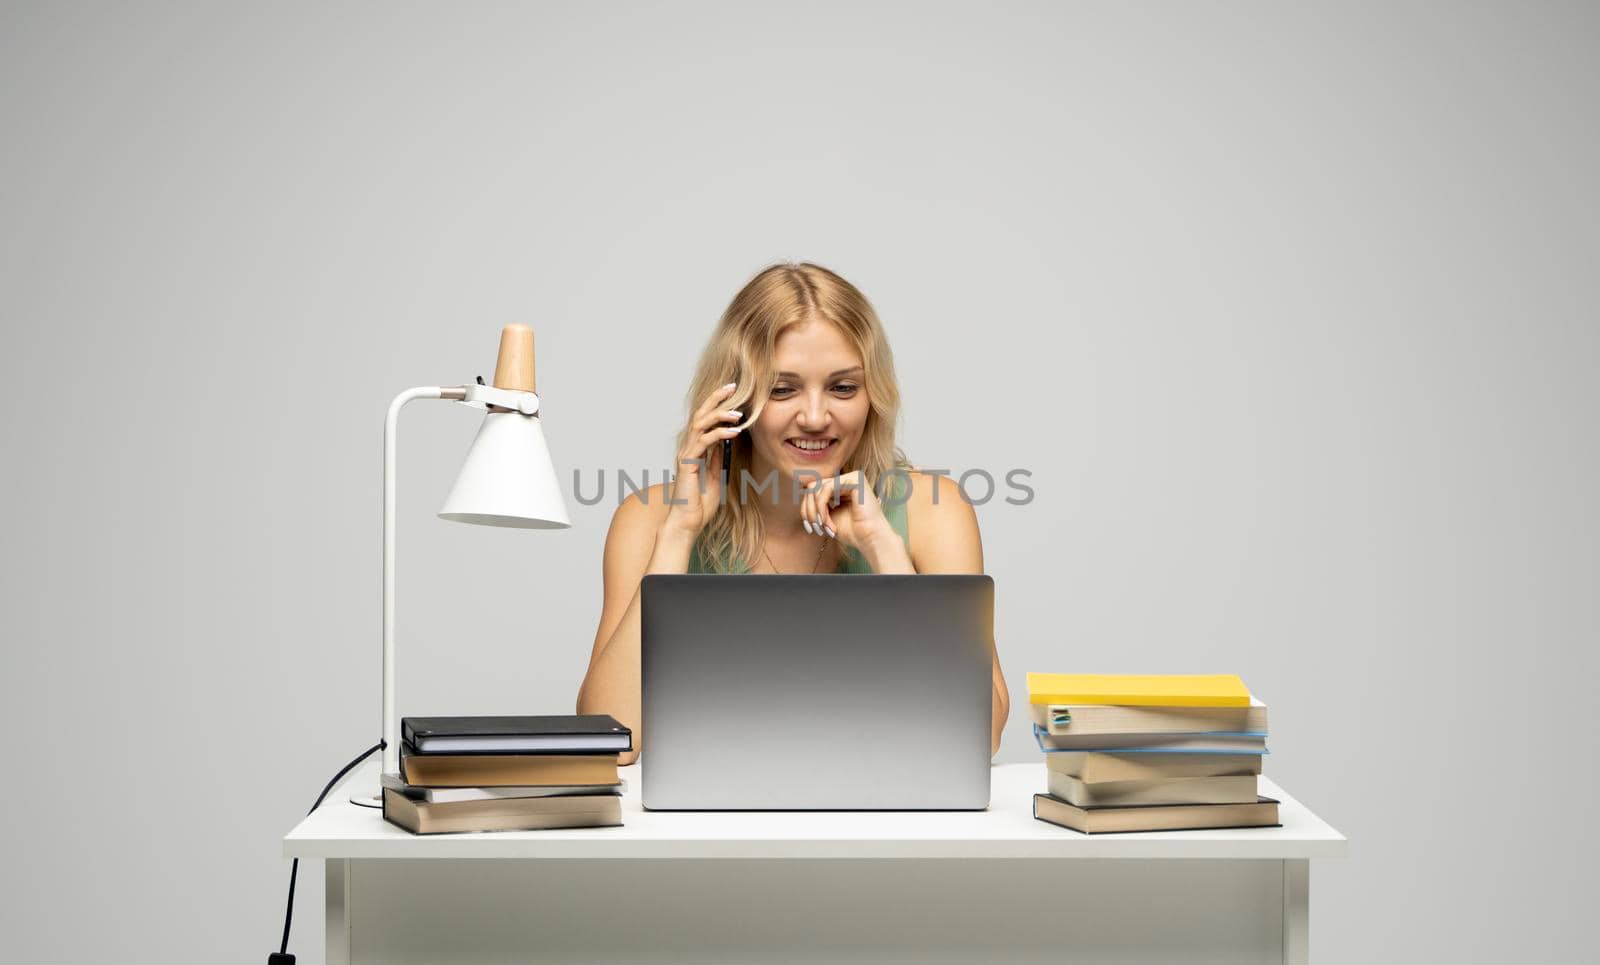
(799, 376)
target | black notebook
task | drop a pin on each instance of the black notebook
(565, 734)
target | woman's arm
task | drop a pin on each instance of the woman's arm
(945, 539)
(652, 534)
(636, 545)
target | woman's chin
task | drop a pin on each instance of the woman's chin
(806, 467)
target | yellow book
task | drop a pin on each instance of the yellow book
(1161, 690)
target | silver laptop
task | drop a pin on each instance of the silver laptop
(827, 692)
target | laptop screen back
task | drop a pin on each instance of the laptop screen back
(768, 692)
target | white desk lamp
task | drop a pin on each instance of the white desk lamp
(507, 479)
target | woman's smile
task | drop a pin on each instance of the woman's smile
(811, 449)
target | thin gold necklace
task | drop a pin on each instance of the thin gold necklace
(820, 550)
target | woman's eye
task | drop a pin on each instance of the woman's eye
(844, 388)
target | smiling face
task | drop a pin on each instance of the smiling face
(817, 410)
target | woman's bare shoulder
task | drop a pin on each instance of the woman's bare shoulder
(942, 526)
(641, 509)
(934, 493)
(632, 538)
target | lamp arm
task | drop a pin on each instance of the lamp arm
(391, 428)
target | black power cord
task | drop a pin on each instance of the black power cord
(282, 956)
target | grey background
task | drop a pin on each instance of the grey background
(1290, 311)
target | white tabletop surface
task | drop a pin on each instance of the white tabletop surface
(1007, 829)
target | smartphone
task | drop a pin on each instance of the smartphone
(727, 461)
(727, 456)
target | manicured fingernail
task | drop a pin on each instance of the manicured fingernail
(831, 533)
(731, 385)
(735, 414)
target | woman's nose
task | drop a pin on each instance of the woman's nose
(814, 414)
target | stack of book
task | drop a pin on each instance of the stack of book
(1149, 753)
(507, 774)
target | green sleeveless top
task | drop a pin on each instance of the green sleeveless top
(894, 511)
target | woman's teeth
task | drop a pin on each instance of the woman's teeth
(809, 445)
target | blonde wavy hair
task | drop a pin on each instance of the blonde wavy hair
(741, 350)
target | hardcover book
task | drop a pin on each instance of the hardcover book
(1165, 690)
(1155, 817)
(563, 734)
(1092, 767)
(1080, 719)
(1152, 743)
(450, 795)
(1231, 789)
(506, 770)
(504, 814)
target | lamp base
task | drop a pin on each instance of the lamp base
(366, 786)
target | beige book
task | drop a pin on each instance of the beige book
(1093, 768)
(1155, 817)
(1062, 720)
(505, 770)
(1234, 789)
(502, 814)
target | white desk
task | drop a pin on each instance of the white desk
(989, 886)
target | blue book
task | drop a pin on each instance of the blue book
(1212, 742)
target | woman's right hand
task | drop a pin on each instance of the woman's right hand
(696, 490)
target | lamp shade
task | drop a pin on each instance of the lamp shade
(508, 478)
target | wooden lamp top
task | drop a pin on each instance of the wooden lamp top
(514, 368)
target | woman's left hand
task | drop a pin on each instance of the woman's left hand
(846, 509)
